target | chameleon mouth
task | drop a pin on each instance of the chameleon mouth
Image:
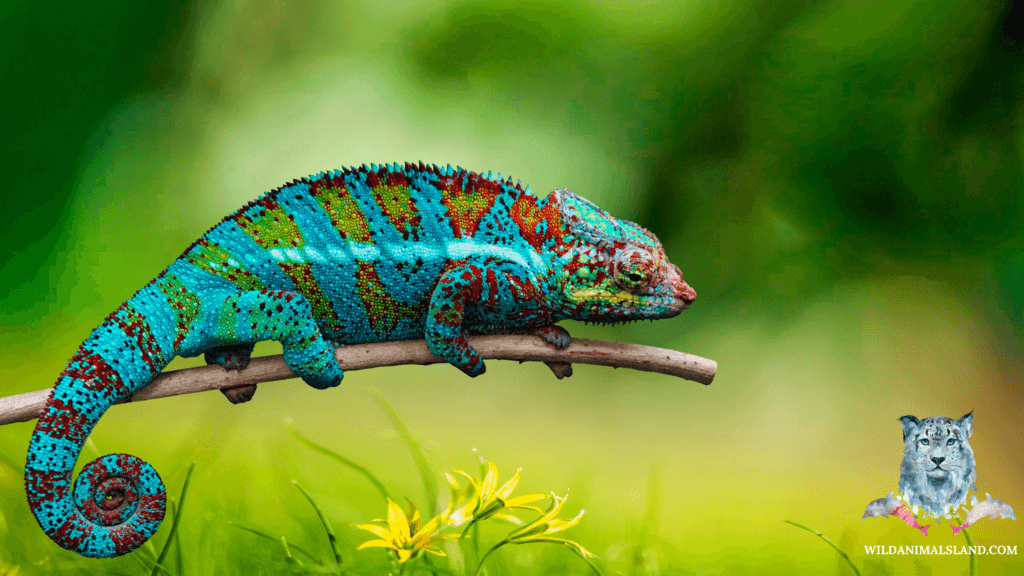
(679, 304)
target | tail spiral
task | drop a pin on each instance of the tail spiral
(118, 501)
(116, 504)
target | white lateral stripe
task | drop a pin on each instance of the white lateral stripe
(409, 251)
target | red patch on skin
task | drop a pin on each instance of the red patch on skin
(62, 420)
(524, 290)
(372, 179)
(467, 198)
(135, 326)
(397, 179)
(73, 532)
(492, 288)
(95, 373)
(528, 216)
(267, 202)
(46, 486)
(152, 508)
(125, 538)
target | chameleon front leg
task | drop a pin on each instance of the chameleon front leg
(234, 357)
(285, 316)
(444, 333)
(465, 284)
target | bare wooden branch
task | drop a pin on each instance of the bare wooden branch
(27, 406)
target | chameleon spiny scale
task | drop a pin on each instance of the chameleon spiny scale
(369, 254)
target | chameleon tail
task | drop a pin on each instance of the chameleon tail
(118, 501)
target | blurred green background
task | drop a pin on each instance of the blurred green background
(841, 182)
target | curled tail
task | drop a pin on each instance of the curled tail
(118, 501)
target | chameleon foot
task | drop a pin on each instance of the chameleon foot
(233, 358)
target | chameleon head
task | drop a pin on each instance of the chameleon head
(613, 270)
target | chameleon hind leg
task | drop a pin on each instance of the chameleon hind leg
(559, 338)
(284, 316)
(234, 357)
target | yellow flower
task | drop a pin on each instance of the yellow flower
(540, 529)
(486, 499)
(404, 535)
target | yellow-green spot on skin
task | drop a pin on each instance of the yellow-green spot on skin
(215, 260)
(227, 320)
(274, 229)
(187, 302)
(583, 294)
(584, 272)
(345, 214)
(302, 276)
(397, 205)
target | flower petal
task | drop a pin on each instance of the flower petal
(490, 481)
(404, 555)
(376, 544)
(509, 518)
(576, 547)
(472, 481)
(378, 531)
(518, 501)
(558, 524)
(398, 523)
(509, 486)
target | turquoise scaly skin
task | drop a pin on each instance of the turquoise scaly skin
(370, 254)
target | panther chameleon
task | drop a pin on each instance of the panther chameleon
(368, 254)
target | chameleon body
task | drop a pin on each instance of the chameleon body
(369, 254)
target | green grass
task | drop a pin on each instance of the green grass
(972, 560)
(316, 532)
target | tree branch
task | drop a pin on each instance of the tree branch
(27, 406)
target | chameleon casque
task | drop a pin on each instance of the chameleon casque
(369, 254)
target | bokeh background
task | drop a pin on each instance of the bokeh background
(841, 182)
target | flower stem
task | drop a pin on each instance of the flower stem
(827, 541)
(466, 529)
(476, 540)
(493, 548)
(973, 566)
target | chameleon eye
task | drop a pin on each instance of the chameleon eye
(632, 269)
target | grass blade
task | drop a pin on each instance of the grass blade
(288, 553)
(828, 541)
(179, 561)
(94, 452)
(177, 519)
(323, 519)
(429, 484)
(149, 565)
(340, 459)
(973, 566)
(4, 459)
(319, 561)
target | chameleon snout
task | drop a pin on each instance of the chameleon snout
(683, 295)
